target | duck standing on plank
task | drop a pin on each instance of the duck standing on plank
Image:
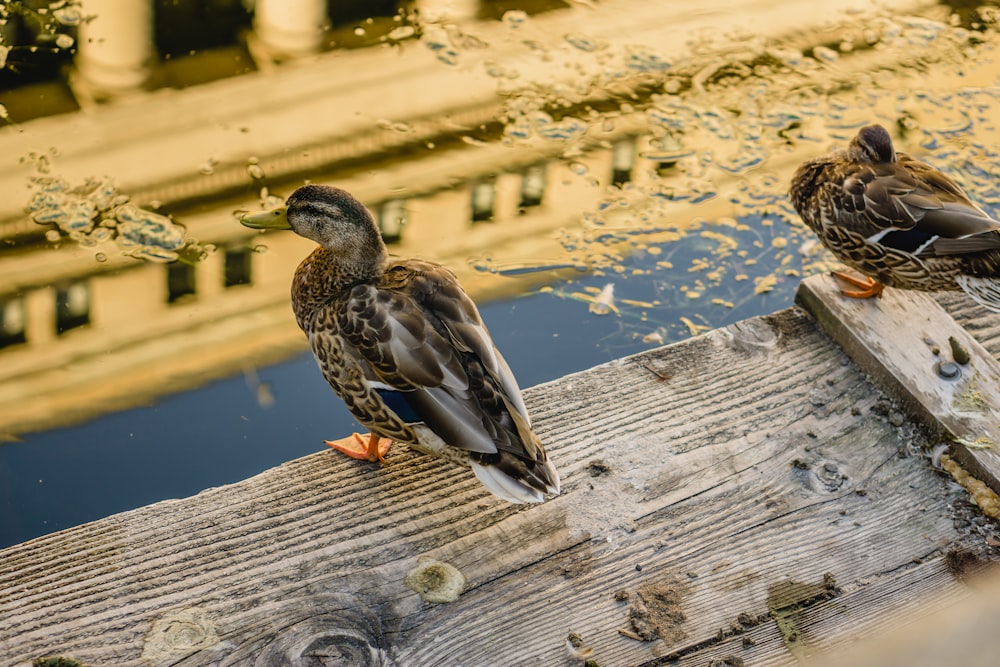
(405, 348)
(898, 220)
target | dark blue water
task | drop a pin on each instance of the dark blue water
(219, 434)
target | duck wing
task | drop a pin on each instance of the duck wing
(911, 207)
(429, 356)
(943, 210)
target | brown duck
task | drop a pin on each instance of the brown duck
(898, 221)
(405, 348)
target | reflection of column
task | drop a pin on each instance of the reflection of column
(210, 275)
(115, 47)
(439, 11)
(290, 27)
(40, 316)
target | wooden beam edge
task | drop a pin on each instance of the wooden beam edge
(894, 339)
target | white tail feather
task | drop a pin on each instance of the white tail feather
(504, 486)
(984, 291)
(553, 475)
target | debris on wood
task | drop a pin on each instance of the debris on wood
(787, 598)
(435, 581)
(577, 651)
(655, 611)
(984, 497)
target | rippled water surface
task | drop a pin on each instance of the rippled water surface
(700, 235)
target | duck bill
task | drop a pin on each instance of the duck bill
(273, 219)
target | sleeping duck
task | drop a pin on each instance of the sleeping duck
(898, 221)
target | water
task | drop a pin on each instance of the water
(701, 236)
(240, 426)
(221, 434)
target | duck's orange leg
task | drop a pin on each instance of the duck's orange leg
(372, 448)
(867, 287)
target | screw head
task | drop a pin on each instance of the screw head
(949, 370)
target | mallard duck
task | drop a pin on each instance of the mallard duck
(403, 345)
(898, 221)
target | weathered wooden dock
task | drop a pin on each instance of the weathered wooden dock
(750, 496)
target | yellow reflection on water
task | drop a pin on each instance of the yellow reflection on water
(598, 153)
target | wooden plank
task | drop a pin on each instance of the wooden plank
(903, 339)
(755, 492)
(824, 628)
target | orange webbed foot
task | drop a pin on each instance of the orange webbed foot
(867, 287)
(357, 446)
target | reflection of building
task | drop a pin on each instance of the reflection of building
(149, 44)
(412, 131)
(137, 329)
(84, 330)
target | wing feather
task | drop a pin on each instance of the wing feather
(908, 205)
(419, 333)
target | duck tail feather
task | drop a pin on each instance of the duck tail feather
(519, 489)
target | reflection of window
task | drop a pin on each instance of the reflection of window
(662, 168)
(391, 219)
(668, 145)
(185, 28)
(237, 270)
(622, 161)
(11, 321)
(72, 306)
(483, 194)
(532, 186)
(180, 281)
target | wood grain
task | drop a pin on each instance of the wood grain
(764, 466)
(961, 634)
(902, 339)
(982, 324)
